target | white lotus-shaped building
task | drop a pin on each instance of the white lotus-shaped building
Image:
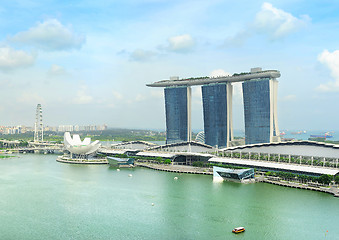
(76, 146)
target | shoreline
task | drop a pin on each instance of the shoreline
(176, 168)
(82, 161)
(333, 191)
(207, 171)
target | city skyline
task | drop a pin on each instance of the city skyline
(88, 63)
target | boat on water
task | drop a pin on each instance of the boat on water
(238, 230)
(321, 136)
(326, 135)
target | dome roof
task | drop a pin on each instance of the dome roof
(75, 145)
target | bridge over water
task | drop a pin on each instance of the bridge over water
(33, 147)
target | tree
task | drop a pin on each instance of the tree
(325, 179)
(198, 164)
(336, 179)
(167, 161)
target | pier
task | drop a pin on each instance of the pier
(46, 150)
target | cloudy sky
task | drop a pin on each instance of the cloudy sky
(87, 62)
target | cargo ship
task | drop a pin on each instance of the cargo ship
(326, 135)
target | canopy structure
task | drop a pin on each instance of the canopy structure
(274, 166)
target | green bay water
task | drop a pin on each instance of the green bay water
(43, 199)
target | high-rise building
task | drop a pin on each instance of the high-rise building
(260, 107)
(65, 128)
(177, 106)
(217, 108)
(260, 110)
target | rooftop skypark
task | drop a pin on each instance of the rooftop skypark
(236, 77)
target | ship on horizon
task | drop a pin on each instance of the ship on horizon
(326, 135)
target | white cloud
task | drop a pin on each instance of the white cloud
(82, 97)
(218, 73)
(331, 60)
(328, 87)
(277, 23)
(271, 21)
(11, 58)
(182, 43)
(56, 70)
(50, 35)
(142, 55)
(179, 44)
(237, 87)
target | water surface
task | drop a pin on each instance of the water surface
(44, 199)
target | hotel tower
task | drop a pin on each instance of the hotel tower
(260, 107)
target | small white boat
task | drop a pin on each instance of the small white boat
(238, 230)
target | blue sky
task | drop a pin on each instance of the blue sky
(87, 62)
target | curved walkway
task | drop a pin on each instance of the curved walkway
(176, 168)
(334, 191)
(82, 161)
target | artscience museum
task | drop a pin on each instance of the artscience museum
(76, 146)
(78, 151)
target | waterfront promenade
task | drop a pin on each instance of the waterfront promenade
(176, 168)
(331, 190)
(63, 159)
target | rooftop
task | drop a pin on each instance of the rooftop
(220, 79)
(301, 148)
(230, 170)
(277, 166)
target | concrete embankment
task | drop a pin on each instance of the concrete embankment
(177, 168)
(82, 161)
(334, 191)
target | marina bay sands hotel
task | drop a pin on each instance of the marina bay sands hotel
(260, 107)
